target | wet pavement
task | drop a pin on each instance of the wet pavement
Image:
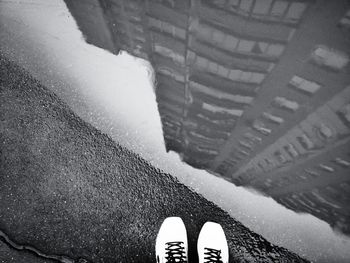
(69, 190)
(115, 95)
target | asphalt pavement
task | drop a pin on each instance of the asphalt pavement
(71, 193)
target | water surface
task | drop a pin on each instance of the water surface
(115, 94)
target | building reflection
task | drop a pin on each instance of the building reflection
(256, 92)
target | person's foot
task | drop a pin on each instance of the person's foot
(171, 244)
(212, 245)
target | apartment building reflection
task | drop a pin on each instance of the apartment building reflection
(254, 91)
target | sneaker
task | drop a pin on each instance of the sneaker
(171, 244)
(212, 245)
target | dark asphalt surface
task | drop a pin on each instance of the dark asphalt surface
(66, 189)
(10, 255)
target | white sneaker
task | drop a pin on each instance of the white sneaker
(212, 245)
(171, 244)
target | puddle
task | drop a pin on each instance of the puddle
(115, 94)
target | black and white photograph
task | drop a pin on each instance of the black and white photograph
(174, 131)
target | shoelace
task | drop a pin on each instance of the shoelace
(212, 255)
(175, 252)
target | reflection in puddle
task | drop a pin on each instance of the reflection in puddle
(115, 94)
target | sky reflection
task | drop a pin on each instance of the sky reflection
(115, 94)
